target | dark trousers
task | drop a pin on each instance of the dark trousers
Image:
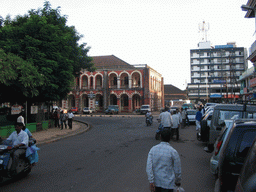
(175, 131)
(159, 189)
(16, 155)
(57, 122)
(70, 123)
(63, 122)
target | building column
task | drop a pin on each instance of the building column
(130, 83)
(118, 103)
(118, 82)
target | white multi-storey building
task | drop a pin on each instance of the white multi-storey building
(215, 72)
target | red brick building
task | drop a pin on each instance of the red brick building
(116, 82)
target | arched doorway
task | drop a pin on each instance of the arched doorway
(85, 101)
(124, 103)
(99, 103)
(71, 101)
(113, 99)
(136, 102)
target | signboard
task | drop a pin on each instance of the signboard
(34, 109)
(16, 109)
(219, 81)
(253, 82)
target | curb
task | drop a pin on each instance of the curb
(81, 130)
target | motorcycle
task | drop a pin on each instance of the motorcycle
(149, 120)
(6, 155)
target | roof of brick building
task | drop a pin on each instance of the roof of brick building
(173, 93)
(109, 61)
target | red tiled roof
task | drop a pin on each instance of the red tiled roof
(108, 61)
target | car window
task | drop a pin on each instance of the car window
(245, 144)
(191, 112)
(225, 115)
(250, 165)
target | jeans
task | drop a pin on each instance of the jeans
(70, 123)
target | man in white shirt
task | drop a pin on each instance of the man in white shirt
(163, 165)
(176, 124)
(166, 118)
(70, 118)
(19, 138)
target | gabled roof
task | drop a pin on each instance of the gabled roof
(170, 89)
(108, 61)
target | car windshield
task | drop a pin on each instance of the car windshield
(86, 108)
(191, 112)
(144, 107)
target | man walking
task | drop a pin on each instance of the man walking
(198, 119)
(70, 118)
(175, 124)
(184, 117)
(163, 165)
(166, 118)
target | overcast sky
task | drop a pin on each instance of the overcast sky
(159, 33)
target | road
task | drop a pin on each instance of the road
(112, 157)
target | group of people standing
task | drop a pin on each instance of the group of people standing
(60, 118)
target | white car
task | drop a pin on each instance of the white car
(191, 115)
(87, 110)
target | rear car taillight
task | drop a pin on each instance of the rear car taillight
(217, 150)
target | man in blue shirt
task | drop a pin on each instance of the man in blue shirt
(163, 165)
(198, 118)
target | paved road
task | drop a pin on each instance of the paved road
(112, 157)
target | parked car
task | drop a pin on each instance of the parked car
(246, 180)
(112, 109)
(174, 109)
(223, 112)
(218, 146)
(203, 133)
(87, 110)
(232, 156)
(74, 110)
(144, 109)
(191, 114)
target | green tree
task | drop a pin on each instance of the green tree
(19, 79)
(43, 39)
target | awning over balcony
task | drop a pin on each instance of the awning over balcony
(231, 96)
(216, 96)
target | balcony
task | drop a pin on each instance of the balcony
(252, 52)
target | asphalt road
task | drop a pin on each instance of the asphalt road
(112, 157)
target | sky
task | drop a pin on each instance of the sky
(159, 33)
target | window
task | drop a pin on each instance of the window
(246, 143)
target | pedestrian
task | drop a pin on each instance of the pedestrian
(187, 120)
(56, 118)
(180, 118)
(163, 166)
(175, 124)
(70, 118)
(166, 118)
(184, 117)
(63, 119)
(198, 119)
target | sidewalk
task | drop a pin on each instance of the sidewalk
(55, 134)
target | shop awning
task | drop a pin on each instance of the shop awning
(216, 96)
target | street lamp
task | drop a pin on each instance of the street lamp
(249, 8)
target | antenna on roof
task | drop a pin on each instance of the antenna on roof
(203, 28)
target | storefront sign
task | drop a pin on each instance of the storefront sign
(34, 109)
(253, 82)
(16, 109)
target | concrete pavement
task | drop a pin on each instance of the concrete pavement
(55, 134)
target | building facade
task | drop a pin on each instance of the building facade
(215, 72)
(116, 82)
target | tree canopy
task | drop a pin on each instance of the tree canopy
(46, 49)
